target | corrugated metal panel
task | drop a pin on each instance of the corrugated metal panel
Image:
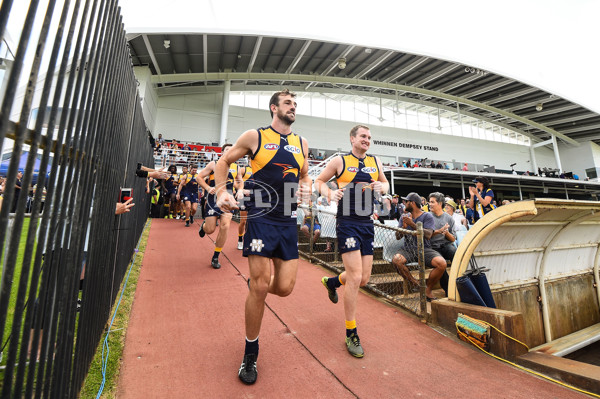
(516, 237)
(511, 267)
(570, 260)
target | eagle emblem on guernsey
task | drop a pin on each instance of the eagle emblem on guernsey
(287, 169)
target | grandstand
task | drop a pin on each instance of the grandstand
(79, 113)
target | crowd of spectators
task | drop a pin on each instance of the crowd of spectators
(175, 152)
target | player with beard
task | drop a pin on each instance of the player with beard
(212, 212)
(278, 161)
(360, 181)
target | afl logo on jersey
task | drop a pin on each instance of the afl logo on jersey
(232, 171)
(271, 146)
(369, 169)
(292, 148)
(352, 169)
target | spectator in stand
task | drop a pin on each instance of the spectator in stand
(424, 204)
(18, 184)
(439, 165)
(311, 156)
(470, 214)
(408, 253)
(446, 166)
(160, 139)
(404, 164)
(432, 165)
(385, 209)
(505, 202)
(320, 156)
(416, 164)
(306, 224)
(463, 207)
(2, 185)
(482, 197)
(465, 168)
(443, 237)
(460, 222)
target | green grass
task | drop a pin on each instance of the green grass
(116, 338)
(14, 288)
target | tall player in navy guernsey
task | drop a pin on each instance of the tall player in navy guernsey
(360, 180)
(279, 167)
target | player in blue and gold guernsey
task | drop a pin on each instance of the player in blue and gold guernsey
(360, 181)
(211, 211)
(246, 172)
(170, 190)
(280, 177)
(188, 192)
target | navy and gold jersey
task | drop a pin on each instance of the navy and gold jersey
(190, 184)
(357, 174)
(231, 175)
(276, 166)
(170, 183)
(247, 173)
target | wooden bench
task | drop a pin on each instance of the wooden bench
(570, 343)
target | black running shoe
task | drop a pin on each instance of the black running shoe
(333, 296)
(187, 223)
(215, 263)
(247, 371)
(201, 232)
(191, 219)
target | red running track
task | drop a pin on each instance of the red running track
(186, 338)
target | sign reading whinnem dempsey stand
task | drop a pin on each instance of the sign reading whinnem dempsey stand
(405, 145)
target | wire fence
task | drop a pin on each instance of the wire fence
(72, 110)
(400, 279)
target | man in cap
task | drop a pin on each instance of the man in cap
(408, 253)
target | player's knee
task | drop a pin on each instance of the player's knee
(286, 289)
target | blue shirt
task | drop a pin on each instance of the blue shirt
(410, 241)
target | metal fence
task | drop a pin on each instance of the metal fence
(317, 241)
(63, 263)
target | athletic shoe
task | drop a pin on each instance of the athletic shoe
(353, 344)
(170, 216)
(333, 296)
(215, 263)
(201, 232)
(187, 223)
(166, 216)
(191, 219)
(178, 217)
(247, 371)
(240, 245)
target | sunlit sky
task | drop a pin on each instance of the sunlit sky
(551, 44)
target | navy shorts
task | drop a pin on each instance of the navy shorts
(354, 237)
(270, 241)
(211, 208)
(192, 197)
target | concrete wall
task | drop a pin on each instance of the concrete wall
(578, 159)
(148, 96)
(196, 118)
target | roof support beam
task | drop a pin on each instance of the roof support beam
(205, 53)
(298, 56)
(152, 57)
(254, 53)
(415, 63)
(435, 75)
(580, 128)
(374, 65)
(233, 76)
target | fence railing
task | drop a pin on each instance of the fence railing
(317, 241)
(62, 265)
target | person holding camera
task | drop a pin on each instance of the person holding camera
(482, 197)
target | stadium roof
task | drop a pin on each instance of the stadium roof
(187, 63)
